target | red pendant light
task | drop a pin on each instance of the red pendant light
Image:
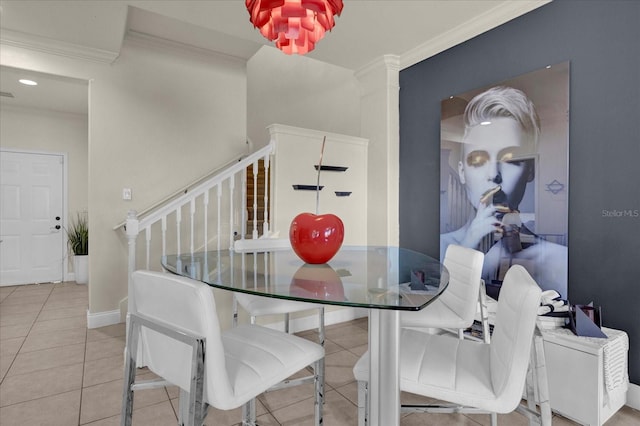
(295, 25)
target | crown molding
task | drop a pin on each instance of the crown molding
(56, 47)
(490, 19)
(384, 62)
(311, 134)
(151, 41)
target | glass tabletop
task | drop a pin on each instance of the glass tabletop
(357, 276)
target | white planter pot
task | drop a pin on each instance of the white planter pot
(81, 268)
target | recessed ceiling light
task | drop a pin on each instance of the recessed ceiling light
(485, 123)
(28, 82)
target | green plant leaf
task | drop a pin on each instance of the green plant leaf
(78, 235)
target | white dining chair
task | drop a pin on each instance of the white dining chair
(470, 376)
(257, 306)
(456, 308)
(175, 321)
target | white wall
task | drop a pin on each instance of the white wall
(299, 91)
(159, 118)
(41, 130)
(297, 151)
(50, 131)
(380, 121)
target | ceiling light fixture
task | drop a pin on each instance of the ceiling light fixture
(28, 82)
(295, 25)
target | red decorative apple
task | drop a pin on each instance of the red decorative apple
(316, 238)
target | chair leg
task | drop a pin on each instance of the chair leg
(249, 413)
(196, 393)
(130, 373)
(183, 407)
(234, 310)
(539, 381)
(321, 369)
(484, 315)
(494, 419)
(319, 392)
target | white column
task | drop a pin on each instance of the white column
(384, 371)
(379, 122)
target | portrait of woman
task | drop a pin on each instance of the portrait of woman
(491, 194)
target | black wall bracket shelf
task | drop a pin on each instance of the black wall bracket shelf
(307, 187)
(331, 168)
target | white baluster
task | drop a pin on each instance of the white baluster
(147, 233)
(219, 193)
(255, 200)
(265, 224)
(232, 182)
(178, 221)
(205, 202)
(243, 203)
(164, 235)
(192, 213)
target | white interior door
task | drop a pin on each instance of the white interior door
(31, 206)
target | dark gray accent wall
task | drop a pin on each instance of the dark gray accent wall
(601, 39)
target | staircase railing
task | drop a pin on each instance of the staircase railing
(210, 214)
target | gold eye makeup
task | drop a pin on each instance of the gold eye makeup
(480, 158)
(477, 158)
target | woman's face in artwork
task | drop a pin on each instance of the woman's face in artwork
(488, 160)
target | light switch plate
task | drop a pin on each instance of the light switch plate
(126, 194)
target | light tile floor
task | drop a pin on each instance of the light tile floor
(55, 371)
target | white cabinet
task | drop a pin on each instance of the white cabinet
(576, 374)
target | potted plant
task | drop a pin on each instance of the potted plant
(78, 240)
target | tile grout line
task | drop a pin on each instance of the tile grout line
(84, 363)
(28, 332)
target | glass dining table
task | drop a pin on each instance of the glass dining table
(384, 280)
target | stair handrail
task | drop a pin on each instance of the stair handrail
(133, 224)
(204, 186)
(185, 189)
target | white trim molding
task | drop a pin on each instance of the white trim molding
(56, 47)
(490, 19)
(275, 129)
(633, 396)
(103, 319)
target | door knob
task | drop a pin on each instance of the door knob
(57, 217)
(57, 226)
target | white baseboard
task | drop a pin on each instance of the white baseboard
(633, 396)
(102, 319)
(311, 322)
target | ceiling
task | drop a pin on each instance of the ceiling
(53, 93)
(364, 32)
